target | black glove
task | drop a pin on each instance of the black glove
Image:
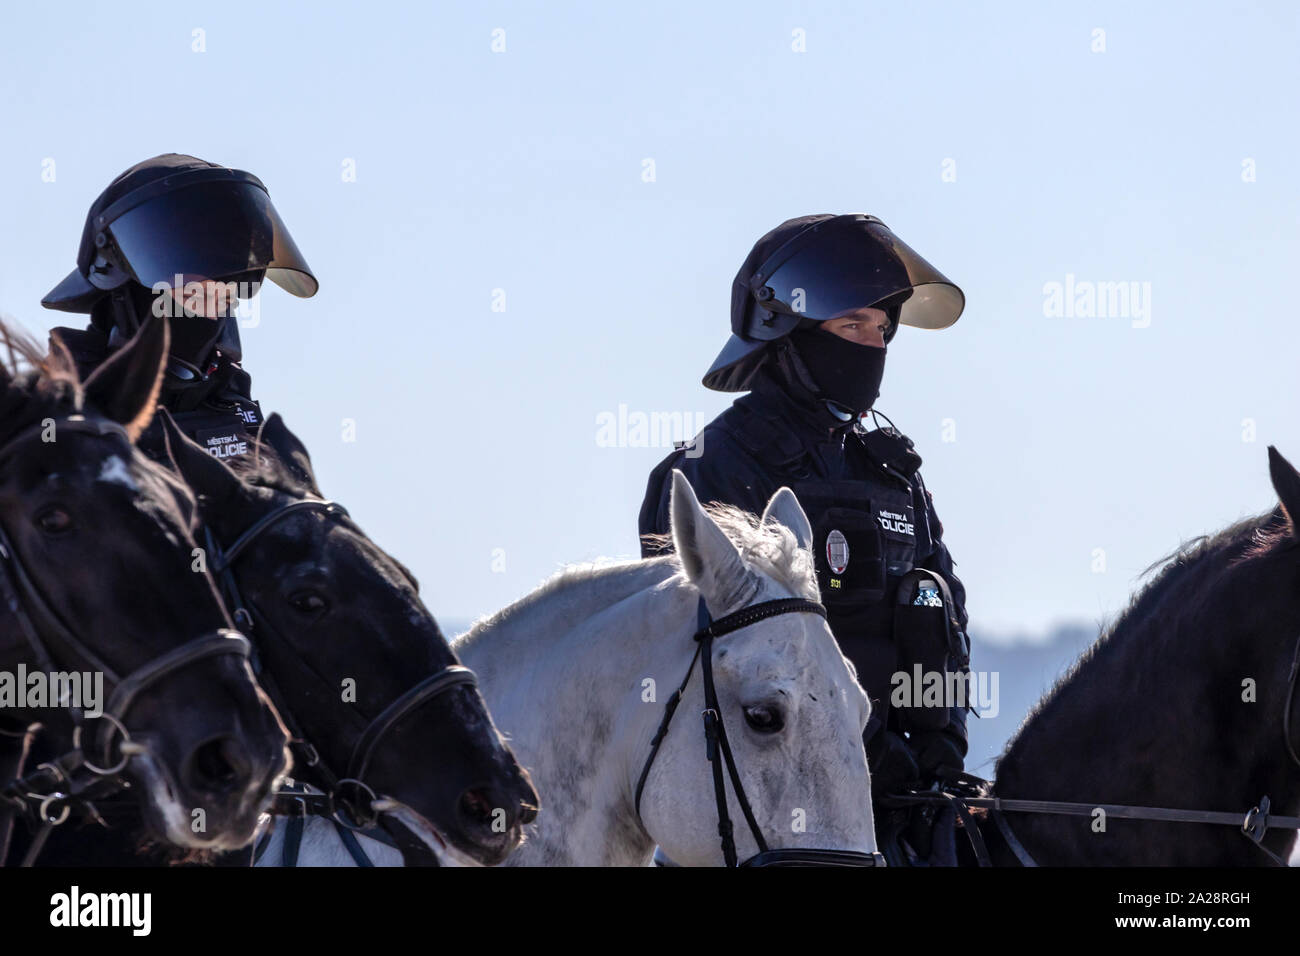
(931, 832)
(939, 756)
(893, 767)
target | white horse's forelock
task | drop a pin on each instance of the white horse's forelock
(766, 547)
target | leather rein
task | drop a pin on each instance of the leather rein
(718, 747)
(1253, 823)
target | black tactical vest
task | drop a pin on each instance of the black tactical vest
(224, 422)
(862, 503)
(225, 428)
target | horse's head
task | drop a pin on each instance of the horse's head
(1286, 545)
(791, 706)
(100, 557)
(354, 657)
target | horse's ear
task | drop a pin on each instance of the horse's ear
(291, 452)
(59, 360)
(784, 509)
(206, 475)
(125, 388)
(708, 557)
(1286, 482)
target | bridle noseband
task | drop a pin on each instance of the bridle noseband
(718, 747)
(348, 791)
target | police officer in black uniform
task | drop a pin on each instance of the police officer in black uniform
(812, 309)
(180, 237)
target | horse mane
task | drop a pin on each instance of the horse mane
(769, 548)
(265, 469)
(34, 383)
(1191, 561)
(634, 576)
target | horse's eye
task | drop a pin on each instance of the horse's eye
(764, 718)
(54, 521)
(308, 602)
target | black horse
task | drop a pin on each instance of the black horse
(1183, 704)
(97, 571)
(352, 658)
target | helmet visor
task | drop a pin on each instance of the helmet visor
(851, 262)
(210, 230)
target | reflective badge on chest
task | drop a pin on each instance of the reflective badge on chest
(837, 551)
(897, 522)
(224, 442)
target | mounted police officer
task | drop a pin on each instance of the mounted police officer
(180, 237)
(813, 308)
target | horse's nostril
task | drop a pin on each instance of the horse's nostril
(476, 806)
(218, 766)
(527, 813)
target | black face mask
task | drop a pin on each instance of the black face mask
(845, 372)
(194, 336)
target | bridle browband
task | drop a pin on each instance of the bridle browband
(74, 774)
(338, 789)
(718, 747)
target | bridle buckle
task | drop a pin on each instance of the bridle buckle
(122, 749)
(337, 803)
(45, 809)
(1255, 825)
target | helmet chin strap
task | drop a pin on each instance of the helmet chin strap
(125, 319)
(792, 367)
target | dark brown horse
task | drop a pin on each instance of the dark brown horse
(342, 639)
(97, 571)
(1186, 703)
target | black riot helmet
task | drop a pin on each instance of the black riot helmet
(176, 215)
(814, 268)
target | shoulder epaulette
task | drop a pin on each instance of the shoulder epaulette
(768, 439)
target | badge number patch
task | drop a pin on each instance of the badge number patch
(837, 551)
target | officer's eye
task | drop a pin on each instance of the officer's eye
(764, 718)
(307, 602)
(54, 520)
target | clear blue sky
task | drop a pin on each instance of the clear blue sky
(523, 171)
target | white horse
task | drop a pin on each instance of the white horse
(577, 675)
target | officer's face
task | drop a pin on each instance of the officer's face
(199, 297)
(865, 326)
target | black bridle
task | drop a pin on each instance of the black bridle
(73, 778)
(348, 791)
(718, 748)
